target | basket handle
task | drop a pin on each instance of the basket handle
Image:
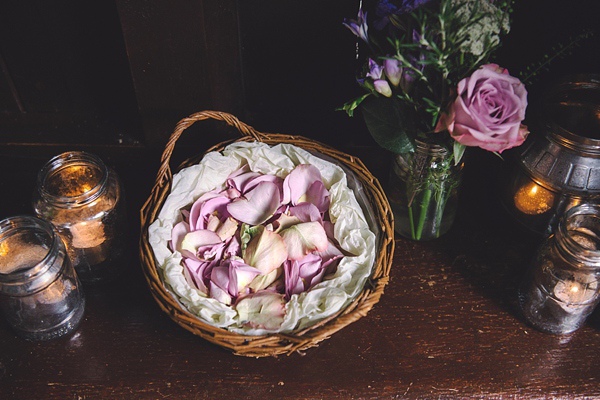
(164, 172)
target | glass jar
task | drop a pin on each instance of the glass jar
(562, 288)
(423, 191)
(559, 168)
(83, 199)
(40, 294)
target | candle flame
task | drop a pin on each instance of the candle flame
(574, 289)
(533, 199)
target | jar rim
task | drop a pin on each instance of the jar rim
(63, 160)
(570, 245)
(562, 92)
(429, 147)
(8, 228)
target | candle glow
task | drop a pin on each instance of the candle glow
(533, 199)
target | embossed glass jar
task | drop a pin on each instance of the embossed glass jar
(563, 288)
(84, 200)
(40, 294)
(561, 167)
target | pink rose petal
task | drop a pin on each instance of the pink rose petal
(257, 206)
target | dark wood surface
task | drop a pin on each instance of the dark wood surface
(447, 325)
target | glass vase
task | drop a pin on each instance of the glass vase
(423, 191)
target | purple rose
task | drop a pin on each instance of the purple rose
(488, 110)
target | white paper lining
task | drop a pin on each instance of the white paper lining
(351, 230)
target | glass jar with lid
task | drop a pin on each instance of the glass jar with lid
(83, 199)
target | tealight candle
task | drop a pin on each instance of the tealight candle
(83, 199)
(41, 296)
(562, 289)
(533, 199)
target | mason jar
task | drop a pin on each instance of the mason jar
(423, 191)
(40, 295)
(562, 288)
(84, 200)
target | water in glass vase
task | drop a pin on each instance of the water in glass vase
(423, 191)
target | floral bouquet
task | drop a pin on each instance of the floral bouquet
(430, 93)
(261, 239)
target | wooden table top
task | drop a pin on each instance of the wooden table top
(447, 325)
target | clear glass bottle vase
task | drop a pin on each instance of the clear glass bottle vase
(423, 191)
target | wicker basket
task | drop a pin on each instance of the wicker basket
(277, 343)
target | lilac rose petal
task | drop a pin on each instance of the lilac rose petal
(201, 211)
(306, 212)
(194, 240)
(219, 294)
(257, 206)
(298, 181)
(318, 195)
(194, 271)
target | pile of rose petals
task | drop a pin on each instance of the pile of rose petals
(259, 241)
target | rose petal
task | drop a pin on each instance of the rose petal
(293, 283)
(265, 251)
(284, 221)
(257, 206)
(227, 229)
(219, 294)
(177, 234)
(296, 184)
(193, 240)
(241, 274)
(261, 282)
(194, 271)
(304, 238)
(262, 310)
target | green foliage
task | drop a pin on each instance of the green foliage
(561, 50)
(387, 122)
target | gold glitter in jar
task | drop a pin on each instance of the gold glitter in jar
(16, 255)
(73, 181)
(533, 199)
(585, 238)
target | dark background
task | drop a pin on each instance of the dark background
(123, 72)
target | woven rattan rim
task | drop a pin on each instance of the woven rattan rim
(279, 343)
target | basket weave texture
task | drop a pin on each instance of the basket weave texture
(275, 343)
